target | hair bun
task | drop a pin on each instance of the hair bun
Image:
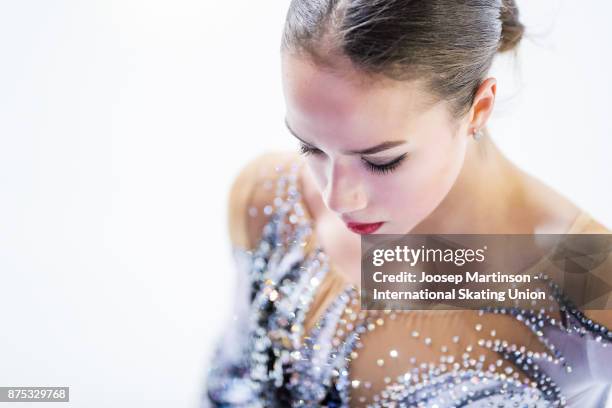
(512, 28)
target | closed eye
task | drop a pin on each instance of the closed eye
(308, 150)
(383, 168)
(386, 167)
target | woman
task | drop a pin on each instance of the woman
(390, 100)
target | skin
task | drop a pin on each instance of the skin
(448, 182)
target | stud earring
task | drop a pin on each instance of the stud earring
(477, 135)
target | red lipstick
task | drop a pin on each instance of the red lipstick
(363, 228)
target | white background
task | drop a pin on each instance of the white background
(122, 124)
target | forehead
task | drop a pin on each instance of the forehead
(321, 99)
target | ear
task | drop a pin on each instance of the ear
(482, 107)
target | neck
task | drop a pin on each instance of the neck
(485, 199)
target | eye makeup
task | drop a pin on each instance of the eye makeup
(384, 168)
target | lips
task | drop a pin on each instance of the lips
(363, 228)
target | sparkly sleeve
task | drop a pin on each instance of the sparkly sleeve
(232, 375)
(251, 197)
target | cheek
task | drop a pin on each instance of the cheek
(316, 167)
(420, 185)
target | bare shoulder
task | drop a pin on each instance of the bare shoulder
(560, 214)
(251, 191)
(549, 211)
(593, 226)
(557, 214)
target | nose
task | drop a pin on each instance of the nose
(343, 193)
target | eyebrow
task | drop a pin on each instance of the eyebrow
(370, 150)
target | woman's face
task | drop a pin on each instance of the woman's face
(377, 151)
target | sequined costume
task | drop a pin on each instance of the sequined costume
(299, 337)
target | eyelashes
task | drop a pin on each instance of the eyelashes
(387, 167)
(307, 150)
(374, 168)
